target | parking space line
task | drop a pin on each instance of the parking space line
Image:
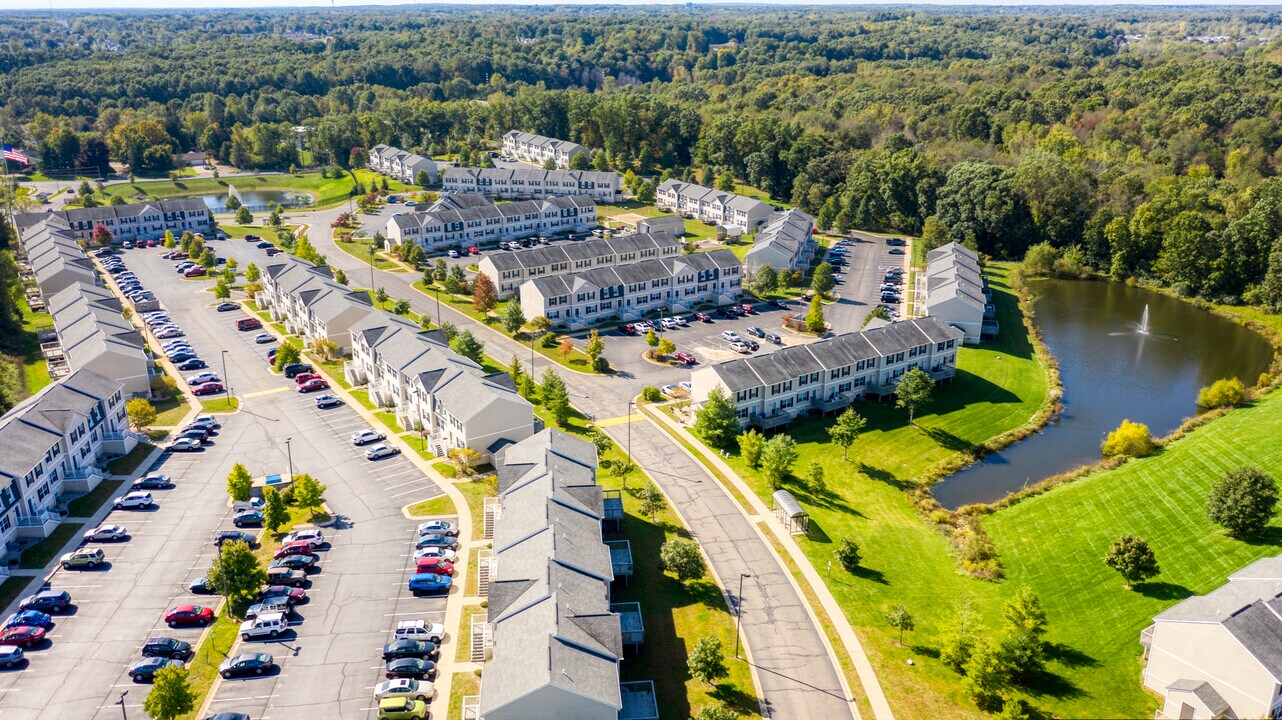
(407, 492)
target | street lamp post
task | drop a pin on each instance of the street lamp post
(226, 379)
(290, 459)
(738, 612)
(437, 291)
(629, 419)
(121, 703)
(371, 266)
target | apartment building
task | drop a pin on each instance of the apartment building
(956, 292)
(93, 335)
(714, 207)
(771, 389)
(509, 270)
(538, 149)
(433, 389)
(531, 183)
(452, 223)
(56, 258)
(307, 299)
(679, 284)
(556, 642)
(403, 165)
(787, 242)
(53, 442)
(1216, 655)
(135, 221)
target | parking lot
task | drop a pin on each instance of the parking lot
(354, 600)
(868, 257)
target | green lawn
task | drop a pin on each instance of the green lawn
(10, 589)
(359, 249)
(1055, 543)
(220, 405)
(203, 668)
(128, 463)
(476, 491)
(87, 504)
(999, 386)
(35, 371)
(43, 552)
(462, 685)
(326, 192)
(170, 410)
(446, 469)
(441, 505)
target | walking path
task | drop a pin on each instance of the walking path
(797, 674)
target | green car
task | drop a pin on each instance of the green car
(401, 708)
(84, 558)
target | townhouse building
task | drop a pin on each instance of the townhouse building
(557, 640)
(93, 334)
(509, 270)
(453, 224)
(539, 149)
(447, 397)
(957, 293)
(603, 187)
(771, 389)
(714, 207)
(134, 221)
(787, 242)
(307, 299)
(1216, 655)
(56, 258)
(53, 443)
(678, 284)
(403, 165)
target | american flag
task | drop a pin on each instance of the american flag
(11, 153)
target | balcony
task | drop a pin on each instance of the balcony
(1146, 636)
(613, 500)
(38, 526)
(639, 701)
(620, 558)
(834, 403)
(945, 372)
(630, 622)
(769, 422)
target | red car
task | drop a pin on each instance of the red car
(180, 255)
(685, 357)
(22, 635)
(703, 317)
(434, 565)
(151, 243)
(302, 547)
(748, 309)
(628, 329)
(292, 595)
(208, 388)
(313, 384)
(301, 378)
(197, 271)
(474, 250)
(189, 615)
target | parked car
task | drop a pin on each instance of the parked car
(245, 324)
(628, 329)
(11, 656)
(303, 377)
(773, 337)
(754, 330)
(186, 615)
(197, 271)
(182, 357)
(367, 436)
(107, 533)
(685, 358)
(669, 323)
(246, 664)
(49, 601)
(313, 537)
(416, 668)
(293, 596)
(263, 338)
(268, 607)
(83, 558)
(420, 630)
(703, 317)
(437, 540)
(443, 527)
(135, 500)
(184, 445)
(896, 251)
(226, 307)
(741, 347)
(731, 336)
(23, 636)
(434, 566)
(669, 390)
(209, 388)
(409, 647)
(293, 369)
(405, 687)
(293, 548)
(202, 586)
(381, 451)
(248, 518)
(33, 618)
(284, 576)
(402, 708)
(167, 647)
(226, 536)
(264, 245)
(434, 551)
(202, 378)
(313, 385)
(264, 625)
(295, 562)
(328, 401)
(145, 670)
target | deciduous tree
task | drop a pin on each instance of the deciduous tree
(236, 571)
(171, 695)
(309, 494)
(484, 295)
(1130, 439)
(815, 322)
(1133, 559)
(848, 555)
(900, 619)
(751, 444)
(913, 391)
(777, 458)
(846, 430)
(275, 514)
(717, 422)
(239, 483)
(682, 558)
(141, 413)
(1243, 501)
(513, 317)
(707, 660)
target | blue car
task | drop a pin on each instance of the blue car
(429, 583)
(29, 617)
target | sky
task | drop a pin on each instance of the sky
(253, 4)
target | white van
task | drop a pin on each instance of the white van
(270, 625)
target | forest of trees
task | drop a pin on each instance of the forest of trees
(1153, 157)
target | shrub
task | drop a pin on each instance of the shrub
(651, 394)
(1243, 501)
(601, 365)
(1130, 440)
(548, 340)
(1221, 394)
(848, 555)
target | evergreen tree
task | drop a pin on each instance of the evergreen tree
(555, 397)
(717, 422)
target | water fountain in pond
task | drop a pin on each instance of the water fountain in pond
(1143, 328)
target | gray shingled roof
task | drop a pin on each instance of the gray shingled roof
(1259, 629)
(1204, 692)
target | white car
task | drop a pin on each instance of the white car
(420, 630)
(669, 390)
(207, 420)
(311, 536)
(380, 451)
(741, 347)
(435, 552)
(202, 378)
(169, 333)
(367, 436)
(107, 533)
(139, 500)
(680, 320)
(731, 336)
(262, 338)
(405, 687)
(643, 326)
(685, 385)
(669, 323)
(453, 254)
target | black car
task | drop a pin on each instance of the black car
(202, 586)
(752, 344)
(295, 562)
(415, 668)
(252, 518)
(263, 245)
(228, 716)
(154, 481)
(293, 369)
(754, 330)
(727, 314)
(252, 238)
(224, 536)
(47, 601)
(193, 433)
(192, 364)
(182, 357)
(246, 664)
(226, 307)
(145, 670)
(409, 648)
(777, 304)
(166, 647)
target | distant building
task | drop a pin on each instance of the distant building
(601, 186)
(510, 270)
(539, 149)
(94, 335)
(772, 389)
(402, 165)
(453, 223)
(311, 303)
(145, 220)
(674, 224)
(56, 257)
(731, 44)
(714, 207)
(1219, 655)
(956, 292)
(787, 242)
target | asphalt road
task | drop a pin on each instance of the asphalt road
(355, 599)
